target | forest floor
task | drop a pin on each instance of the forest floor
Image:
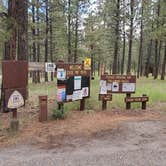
(92, 138)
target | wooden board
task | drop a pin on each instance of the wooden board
(136, 99)
(36, 66)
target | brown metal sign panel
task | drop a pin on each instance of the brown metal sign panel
(136, 99)
(120, 83)
(119, 78)
(15, 74)
(107, 97)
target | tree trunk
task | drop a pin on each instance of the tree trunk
(38, 40)
(164, 65)
(76, 33)
(157, 45)
(140, 47)
(46, 39)
(116, 46)
(69, 31)
(51, 42)
(131, 36)
(34, 75)
(124, 41)
(10, 45)
(22, 29)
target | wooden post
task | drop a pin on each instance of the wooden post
(14, 111)
(104, 105)
(82, 104)
(43, 108)
(128, 104)
(144, 103)
(14, 124)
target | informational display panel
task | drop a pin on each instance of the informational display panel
(117, 84)
(73, 82)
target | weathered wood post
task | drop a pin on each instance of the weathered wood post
(128, 104)
(82, 104)
(43, 108)
(14, 124)
(144, 102)
(104, 105)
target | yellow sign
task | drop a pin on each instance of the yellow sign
(87, 64)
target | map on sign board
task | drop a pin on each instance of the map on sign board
(50, 67)
(87, 64)
(15, 100)
(61, 74)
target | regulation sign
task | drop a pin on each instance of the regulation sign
(15, 100)
(87, 64)
(50, 67)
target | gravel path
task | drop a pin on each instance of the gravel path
(141, 143)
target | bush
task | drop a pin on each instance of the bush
(59, 114)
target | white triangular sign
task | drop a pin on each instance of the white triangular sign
(16, 100)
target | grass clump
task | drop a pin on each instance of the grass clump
(59, 114)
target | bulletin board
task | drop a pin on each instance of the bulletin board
(73, 82)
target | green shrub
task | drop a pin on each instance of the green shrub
(59, 114)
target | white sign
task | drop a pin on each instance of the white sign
(85, 92)
(103, 83)
(115, 87)
(77, 82)
(77, 95)
(15, 101)
(109, 86)
(128, 87)
(50, 67)
(61, 74)
(103, 90)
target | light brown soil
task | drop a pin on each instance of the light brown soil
(78, 125)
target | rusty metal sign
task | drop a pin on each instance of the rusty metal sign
(14, 80)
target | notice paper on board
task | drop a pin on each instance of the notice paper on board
(77, 95)
(85, 92)
(115, 87)
(77, 82)
(103, 90)
(128, 87)
(61, 74)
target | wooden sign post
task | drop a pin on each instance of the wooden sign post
(118, 84)
(73, 83)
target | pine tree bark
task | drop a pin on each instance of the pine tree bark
(164, 65)
(46, 39)
(69, 31)
(156, 67)
(22, 15)
(116, 46)
(130, 37)
(10, 44)
(76, 33)
(124, 41)
(140, 47)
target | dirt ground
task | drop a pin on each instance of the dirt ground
(113, 137)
